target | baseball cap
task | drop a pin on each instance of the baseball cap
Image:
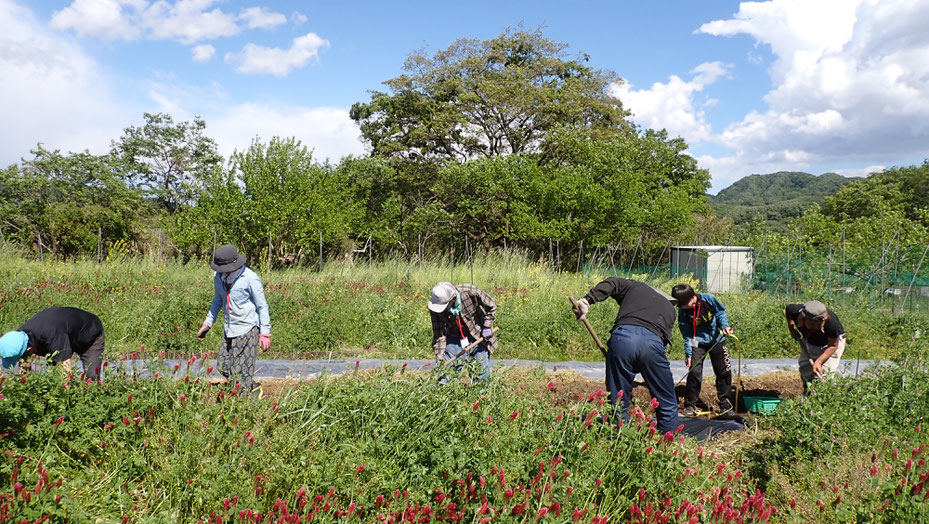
(12, 346)
(814, 309)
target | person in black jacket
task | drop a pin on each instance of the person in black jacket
(58, 332)
(637, 344)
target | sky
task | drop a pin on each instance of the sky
(753, 87)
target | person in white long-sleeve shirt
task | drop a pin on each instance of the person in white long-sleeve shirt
(239, 295)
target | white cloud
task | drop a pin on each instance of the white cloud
(298, 18)
(262, 18)
(186, 21)
(203, 52)
(671, 105)
(850, 81)
(328, 131)
(256, 59)
(50, 91)
(860, 172)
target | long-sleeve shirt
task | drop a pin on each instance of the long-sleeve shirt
(704, 322)
(243, 303)
(639, 305)
(478, 311)
(62, 331)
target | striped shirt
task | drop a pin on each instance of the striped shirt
(478, 311)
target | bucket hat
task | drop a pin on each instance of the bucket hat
(12, 346)
(442, 294)
(227, 258)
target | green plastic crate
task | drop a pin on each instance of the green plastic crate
(761, 405)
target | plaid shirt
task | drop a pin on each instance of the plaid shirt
(478, 311)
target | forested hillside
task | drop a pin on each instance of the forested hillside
(775, 197)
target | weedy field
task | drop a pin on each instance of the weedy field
(397, 446)
(379, 310)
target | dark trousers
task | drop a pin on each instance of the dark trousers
(632, 350)
(719, 357)
(92, 358)
(236, 359)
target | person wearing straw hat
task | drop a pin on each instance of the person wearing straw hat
(58, 332)
(238, 294)
(637, 343)
(461, 315)
(704, 325)
(821, 336)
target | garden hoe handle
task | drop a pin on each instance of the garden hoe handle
(590, 329)
(469, 348)
(813, 365)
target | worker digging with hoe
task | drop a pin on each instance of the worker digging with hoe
(239, 294)
(821, 337)
(637, 344)
(704, 326)
(58, 332)
(462, 315)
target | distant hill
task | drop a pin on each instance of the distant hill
(776, 197)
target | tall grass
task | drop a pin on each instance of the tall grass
(379, 309)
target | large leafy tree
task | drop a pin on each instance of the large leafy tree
(69, 201)
(166, 159)
(482, 98)
(273, 191)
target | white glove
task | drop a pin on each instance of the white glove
(582, 308)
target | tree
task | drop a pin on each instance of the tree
(165, 159)
(271, 190)
(487, 98)
(69, 201)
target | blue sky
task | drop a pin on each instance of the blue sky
(754, 87)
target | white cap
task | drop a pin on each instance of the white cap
(442, 294)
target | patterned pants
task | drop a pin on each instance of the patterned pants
(236, 359)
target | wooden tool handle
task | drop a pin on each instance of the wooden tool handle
(470, 346)
(590, 329)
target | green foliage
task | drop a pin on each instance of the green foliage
(487, 98)
(775, 198)
(167, 160)
(70, 201)
(273, 193)
(159, 449)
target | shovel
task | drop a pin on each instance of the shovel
(590, 329)
(467, 349)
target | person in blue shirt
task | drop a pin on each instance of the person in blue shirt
(704, 326)
(238, 294)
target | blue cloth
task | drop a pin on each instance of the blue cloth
(12, 346)
(479, 353)
(632, 350)
(711, 320)
(246, 306)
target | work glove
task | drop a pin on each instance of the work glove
(203, 329)
(264, 341)
(727, 331)
(486, 333)
(582, 308)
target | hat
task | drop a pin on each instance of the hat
(227, 258)
(664, 295)
(442, 294)
(814, 309)
(12, 346)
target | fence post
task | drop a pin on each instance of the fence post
(370, 248)
(41, 252)
(580, 252)
(99, 245)
(919, 265)
(320, 250)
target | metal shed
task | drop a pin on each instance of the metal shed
(718, 268)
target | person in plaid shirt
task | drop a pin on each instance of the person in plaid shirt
(460, 315)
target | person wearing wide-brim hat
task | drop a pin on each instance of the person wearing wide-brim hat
(239, 294)
(57, 332)
(461, 315)
(821, 336)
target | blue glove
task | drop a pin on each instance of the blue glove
(486, 333)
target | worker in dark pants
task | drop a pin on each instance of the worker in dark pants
(637, 344)
(58, 332)
(704, 326)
